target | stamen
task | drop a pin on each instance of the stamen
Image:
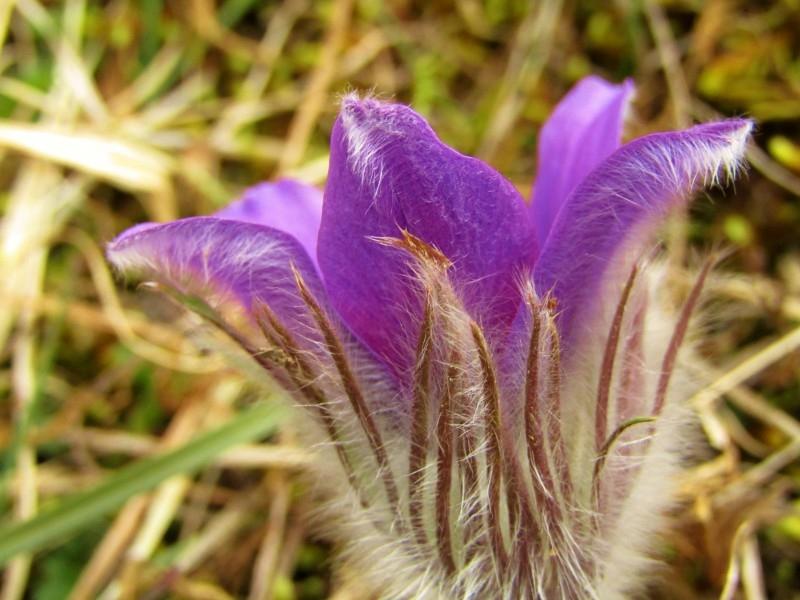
(671, 355)
(353, 392)
(419, 425)
(607, 368)
(493, 425)
(445, 469)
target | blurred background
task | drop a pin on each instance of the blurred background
(116, 112)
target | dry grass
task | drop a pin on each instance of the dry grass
(117, 112)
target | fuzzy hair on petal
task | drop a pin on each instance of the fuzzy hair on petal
(615, 210)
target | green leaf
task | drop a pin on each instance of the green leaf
(75, 512)
(57, 572)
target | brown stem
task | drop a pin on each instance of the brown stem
(537, 456)
(607, 367)
(631, 385)
(468, 463)
(671, 355)
(553, 411)
(630, 403)
(606, 449)
(353, 392)
(492, 423)
(419, 426)
(445, 469)
(302, 375)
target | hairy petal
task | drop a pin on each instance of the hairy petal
(291, 206)
(619, 204)
(220, 261)
(389, 172)
(584, 129)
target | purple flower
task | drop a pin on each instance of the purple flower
(497, 383)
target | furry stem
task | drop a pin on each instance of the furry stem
(606, 450)
(445, 470)
(553, 412)
(419, 425)
(353, 392)
(671, 355)
(534, 434)
(492, 425)
(607, 367)
(632, 378)
(302, 376)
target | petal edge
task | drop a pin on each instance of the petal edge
(226, 263)
(584, 129)
(619, 204)
(389, 172)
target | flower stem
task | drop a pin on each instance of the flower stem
(419, 425)
(354, 394)
(445, 471)
(607, 367)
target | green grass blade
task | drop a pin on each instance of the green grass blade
(76, 511)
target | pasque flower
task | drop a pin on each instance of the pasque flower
(493, 386)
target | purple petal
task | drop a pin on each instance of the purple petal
(620, 203)
(584, 129)
(290, 206)
(389, 171)
(220, 261)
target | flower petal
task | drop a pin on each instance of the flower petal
(584, 129)
(619, 204)
(220, 261)
(389, 172)
(288, 205)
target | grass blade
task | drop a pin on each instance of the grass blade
(76, 511)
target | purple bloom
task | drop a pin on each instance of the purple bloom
(506, 369)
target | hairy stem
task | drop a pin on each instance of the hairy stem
(445, 469)
(631, 385)
(493, 426)
(302, 375)
(534, 434)
(605, 451)
(354, 394)
(419, 426)
(553, 412)
(607, 367)
(671, 355)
